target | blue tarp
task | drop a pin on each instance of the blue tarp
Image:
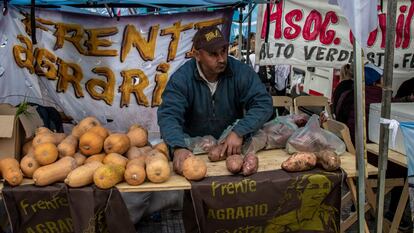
(408, 132)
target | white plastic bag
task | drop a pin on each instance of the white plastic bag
(312, 138)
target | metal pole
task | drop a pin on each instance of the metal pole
(385, 109)
(240, 34)
(33, 21)
(359, 106)
(249, 25)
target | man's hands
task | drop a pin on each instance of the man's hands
(231, 145)
(179, 156)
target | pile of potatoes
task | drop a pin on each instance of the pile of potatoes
(90, 154)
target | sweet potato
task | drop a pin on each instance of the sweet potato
(250, 164)
(299, 161)
(234, 163)
(214, 154)
(328, 160)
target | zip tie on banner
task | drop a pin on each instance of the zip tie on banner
(392, 125)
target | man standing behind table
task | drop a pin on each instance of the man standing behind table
(209, 93)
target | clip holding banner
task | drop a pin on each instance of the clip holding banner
(393, 125)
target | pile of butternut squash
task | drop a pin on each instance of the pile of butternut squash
(90, 154)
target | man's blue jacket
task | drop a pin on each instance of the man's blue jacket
(189, 108)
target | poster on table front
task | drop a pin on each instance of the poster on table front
(315, 33)
(87, 65)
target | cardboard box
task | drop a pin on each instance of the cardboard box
(14, 131)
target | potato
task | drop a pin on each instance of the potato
(328, 160)
(250, 164)
(234, 163)
(214, 154)
(299, 161)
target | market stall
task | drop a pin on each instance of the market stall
(252, 200)
(84, 69)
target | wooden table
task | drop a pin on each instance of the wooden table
(272, 160)
(401, 160)
(393, 156)
(268, 160)
(175, 182)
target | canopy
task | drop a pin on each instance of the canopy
(155, 3)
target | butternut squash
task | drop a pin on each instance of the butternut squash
(82, 175)
(27, 147)
(46, 153)
(157, 168)
(90, 143)
(135, 172)
(156, 153)
(135, 126)
(44, 138)
(42, 130)
(115, 158)
(194, 168)
(59, 137)
(29, 164)
(99, 130)
(80, 158)
(162, 147)
(117, 143)
(97, 157)
(138, 136)
(108, 175)
(54, 172)
(84, 125)
(135, 152)
(68, 146)
(10, 170)
(76, 131)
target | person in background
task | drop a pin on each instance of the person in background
(345, 113)
(234, 50)
(344, 107)
(405, 92)
(252, 55)
(346, 83)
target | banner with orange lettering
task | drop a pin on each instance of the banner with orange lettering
(315, 33)
(86, 65)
